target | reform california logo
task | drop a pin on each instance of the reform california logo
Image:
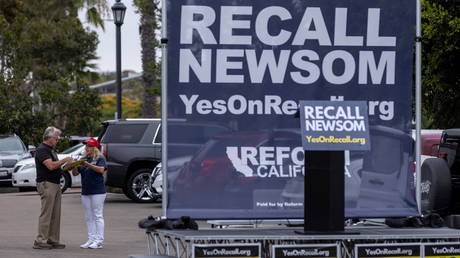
(267, 161)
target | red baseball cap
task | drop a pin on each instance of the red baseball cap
(92, 142)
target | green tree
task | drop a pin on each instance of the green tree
(44, 55)
(132, 108)
(149, 25)
(441, 62)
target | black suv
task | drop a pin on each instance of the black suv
(132, 148)
(12, 150)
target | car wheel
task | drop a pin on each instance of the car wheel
(64, 182)
(139, 188)
(435, 186)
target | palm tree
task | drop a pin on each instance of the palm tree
(150, 15)
(95, 10)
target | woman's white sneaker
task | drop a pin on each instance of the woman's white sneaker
(87, 244)
(95, 245)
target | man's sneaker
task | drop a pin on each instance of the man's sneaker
(87, 244)
(95, 245)
(57, 245)
(38, 245)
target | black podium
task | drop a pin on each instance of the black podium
(324, 204)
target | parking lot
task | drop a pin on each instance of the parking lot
(19, 221)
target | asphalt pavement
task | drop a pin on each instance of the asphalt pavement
(19, 222)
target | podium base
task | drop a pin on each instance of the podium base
(313, 232)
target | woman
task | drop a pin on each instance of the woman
(93, 192)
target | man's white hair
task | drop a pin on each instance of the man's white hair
(51, 132)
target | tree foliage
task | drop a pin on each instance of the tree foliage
(95, 11)
(441, 62)
(44, 55)
(132, 108)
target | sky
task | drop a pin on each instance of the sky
(130, 41)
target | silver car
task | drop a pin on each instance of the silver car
(12, 150)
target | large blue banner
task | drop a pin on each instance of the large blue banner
(236, 71)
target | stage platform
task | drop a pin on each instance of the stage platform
(179, 243)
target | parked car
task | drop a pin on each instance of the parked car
(25, 173)
(430, 143)
(430, 139)
(440, 180)
(12, 150)
(132, 148)
(74, 139)
(174, 166)
(156, 180)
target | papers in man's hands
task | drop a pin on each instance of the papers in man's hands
(72, 164)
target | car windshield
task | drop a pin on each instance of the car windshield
(10, 144)
(72, 149)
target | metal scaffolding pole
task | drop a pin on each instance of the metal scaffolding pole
(418, 98)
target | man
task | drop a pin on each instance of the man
(48, 176)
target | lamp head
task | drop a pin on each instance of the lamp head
(119, 10)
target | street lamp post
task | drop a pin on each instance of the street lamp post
(119, 10)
